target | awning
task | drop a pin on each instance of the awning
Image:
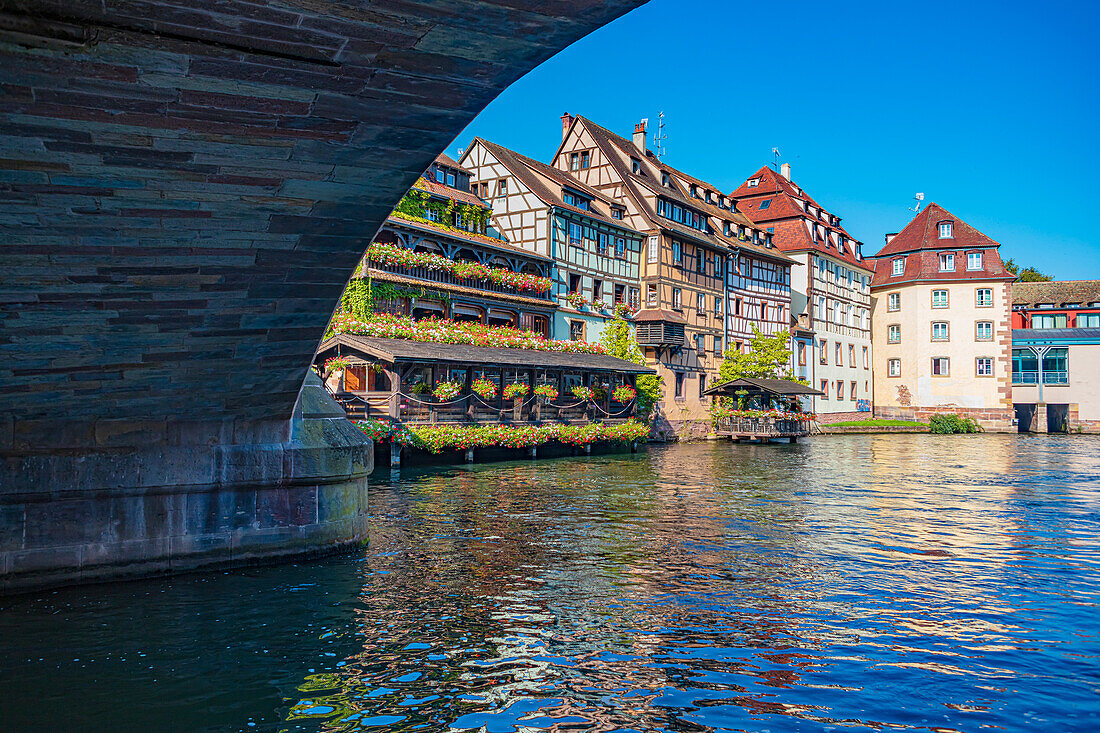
(752, 385)
(407, 350)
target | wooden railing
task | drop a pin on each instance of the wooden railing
(763, 426)
(447, 278)
(473, 409)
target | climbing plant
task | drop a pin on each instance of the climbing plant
(618, 340)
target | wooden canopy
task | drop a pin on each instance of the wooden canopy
(752, 385)
(406, 350)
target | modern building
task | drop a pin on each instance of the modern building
(415, 265)
(940, 314)
(543, 210)
(1056, 356)
(708, 274)
(830, 291)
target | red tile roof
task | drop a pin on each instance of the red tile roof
(448, 161)
(923, 233)
(784, 213)
(449, 192)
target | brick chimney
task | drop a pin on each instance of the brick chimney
(639, 136)
(785, 170)
(566, 123)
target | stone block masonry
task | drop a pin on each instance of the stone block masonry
(185, 188)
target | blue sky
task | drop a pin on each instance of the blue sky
(991, 109)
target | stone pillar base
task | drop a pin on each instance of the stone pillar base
(188, 496)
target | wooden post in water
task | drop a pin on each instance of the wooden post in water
(469, 455)
(395, 455)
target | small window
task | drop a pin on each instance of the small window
(440, 176)
(679, 384)
(939, 298)
(852, 392)
(893, 302)
(941, 366)
(946, 230)
(616, 213)
(502, 187)
(985, 297)
(574, 283)
(984, 331)
(823, 351)
(893, 367)
(754, 182)
(651, 295)
(700, 261)
(677, 252)
(717, 345)
(702, 385)
(893, 334)
(718, 307)
(851, 355)
(765, 204)
(974, 261)
(585, 159)
(620, 247)
(654, 248)
(677, 299)
(620, 293)
(665, 180)
(839, 354)
(700, 303)
(984, 366)
(597, 290)
(450, 179)
(866, 358)
(574, 161)
(635, 166)
(801, 353)
(717, 265)
(899, 266)
(825, 389)
(700, 343)
(1088, 320)
(431, 214)
(576, 330)
(840, 389)
(947, 262)
(939, 331)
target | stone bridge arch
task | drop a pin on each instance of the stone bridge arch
(185, 187)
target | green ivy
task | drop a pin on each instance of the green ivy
(619, 341)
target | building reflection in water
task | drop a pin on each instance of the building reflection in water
(704, 587)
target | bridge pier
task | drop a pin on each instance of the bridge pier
(188, 496)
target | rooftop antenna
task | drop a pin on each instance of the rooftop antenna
(775, 152)
(918, 198)
(659, 137)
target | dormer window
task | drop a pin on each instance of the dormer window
(440, 177)
(635, 166)
(974, 260)
(946, 231)
(665, 180)
(899, 266)
(694, 192)
(754, 182)
(947, 262)
(616, 212)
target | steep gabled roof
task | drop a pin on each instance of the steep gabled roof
(1058, 292)
(615, 148)
(446, 160)
(534, 174)
(922, 233)
(783, 196)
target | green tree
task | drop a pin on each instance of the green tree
(619, 341)
(768, 357)
(1026, 275)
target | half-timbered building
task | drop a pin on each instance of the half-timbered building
(442, 217)
(708, 274)
(544, 210)
(830, 293)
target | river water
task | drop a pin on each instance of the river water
(857, 582)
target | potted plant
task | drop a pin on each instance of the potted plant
(447, 390)
(583, 393)
(546, 392)
(484, 388)
(336, 365)
(576, 300)
(623, 393)
(516, 391)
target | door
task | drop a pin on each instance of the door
(1056, 418)
(1024, 415)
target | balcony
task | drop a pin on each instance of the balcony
(1030, 377)
(430, 275)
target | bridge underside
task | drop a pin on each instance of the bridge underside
(185, 187)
